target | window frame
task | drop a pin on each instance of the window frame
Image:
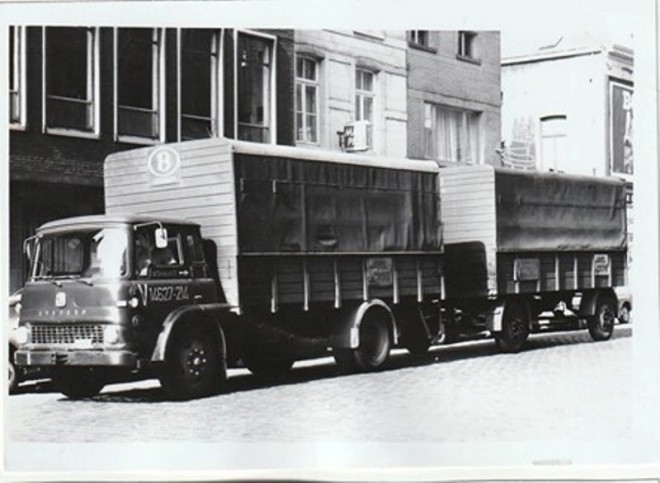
(217, 82)
(432, 109)
(466, 49)
(362, 94)
(17, 79)
(93, 86)
(272, 127)
(158, 87)
(414, 40)
(304, 83)
(553, 135)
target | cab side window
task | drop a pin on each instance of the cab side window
(196, 256)
(154, 262)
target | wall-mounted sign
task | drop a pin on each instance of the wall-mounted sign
(621, 128)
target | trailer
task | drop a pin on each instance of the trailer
(219, 253)
(519, 244)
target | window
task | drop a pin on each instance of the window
(17, 98)
(419, 38)
(466, 45)
(139, 84)
(553, 141)
(364, 95)
(307, 95)
(71, 77)
(199, 83)
(255, 87)
(452, 134)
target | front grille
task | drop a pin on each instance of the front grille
(66, 333)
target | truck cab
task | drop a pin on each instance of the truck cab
(102, 294)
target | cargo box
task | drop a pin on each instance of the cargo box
(511, 231)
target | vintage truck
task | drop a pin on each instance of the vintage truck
(218, 253)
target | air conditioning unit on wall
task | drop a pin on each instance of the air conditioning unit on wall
(356, 136)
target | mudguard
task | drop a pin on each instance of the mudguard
(589, 299)
(347, 334)
(209, 313)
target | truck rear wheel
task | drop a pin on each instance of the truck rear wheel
(601, 324)
(194, 366)
(374, 348)
(515, 327)
(78, 383)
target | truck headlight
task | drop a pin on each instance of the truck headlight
(17, 308)
(21, 335)
(111, 334)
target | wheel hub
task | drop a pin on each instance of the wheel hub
(196, 362)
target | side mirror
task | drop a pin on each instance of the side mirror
(160, 235)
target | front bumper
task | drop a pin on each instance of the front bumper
(124, 359)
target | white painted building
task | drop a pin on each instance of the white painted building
(347, 76)
(568, 107)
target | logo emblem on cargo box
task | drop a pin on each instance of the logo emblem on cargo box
(164, 166)
(60, 299)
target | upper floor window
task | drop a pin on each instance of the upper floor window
(255, 87)
(199, 83)
(419, 38)
(452, 135)
(467, 45)
(365, 95)
(139, 84)
(17, 77)
(307, 95)
(553, 141)
(17, 97)
(71, 80)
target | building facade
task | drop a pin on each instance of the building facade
(454, 96)
(348, 76)
(568, 107)
(78, 94)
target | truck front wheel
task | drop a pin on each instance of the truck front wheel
(601, 324)
(374, 348)
(13, 374)
(78, 383)
(194, 366)
(515, 327)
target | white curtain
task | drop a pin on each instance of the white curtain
(453, 135)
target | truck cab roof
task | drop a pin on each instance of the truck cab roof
(104, 220)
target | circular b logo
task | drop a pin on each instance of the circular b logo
(164, 162)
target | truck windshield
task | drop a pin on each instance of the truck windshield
(95, 253)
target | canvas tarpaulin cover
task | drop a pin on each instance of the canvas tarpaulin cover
(555, 212)
(288, 205)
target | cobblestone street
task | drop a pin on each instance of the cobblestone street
(562, 387)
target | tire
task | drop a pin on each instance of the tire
(601, 324)
(515, 327)
(624, 315)
(375, 344)
(194, 366)
(14, 379)
(78, 383)
(415, 339)
(266, 362)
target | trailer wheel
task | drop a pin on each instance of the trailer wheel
(375, 344)
(515, 327)
(266, 364)
(194, 366)
(601, 324)
(78, 383)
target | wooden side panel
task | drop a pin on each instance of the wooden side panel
(201, 189)
(467, 197)
(306, 280)
(569, 264)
